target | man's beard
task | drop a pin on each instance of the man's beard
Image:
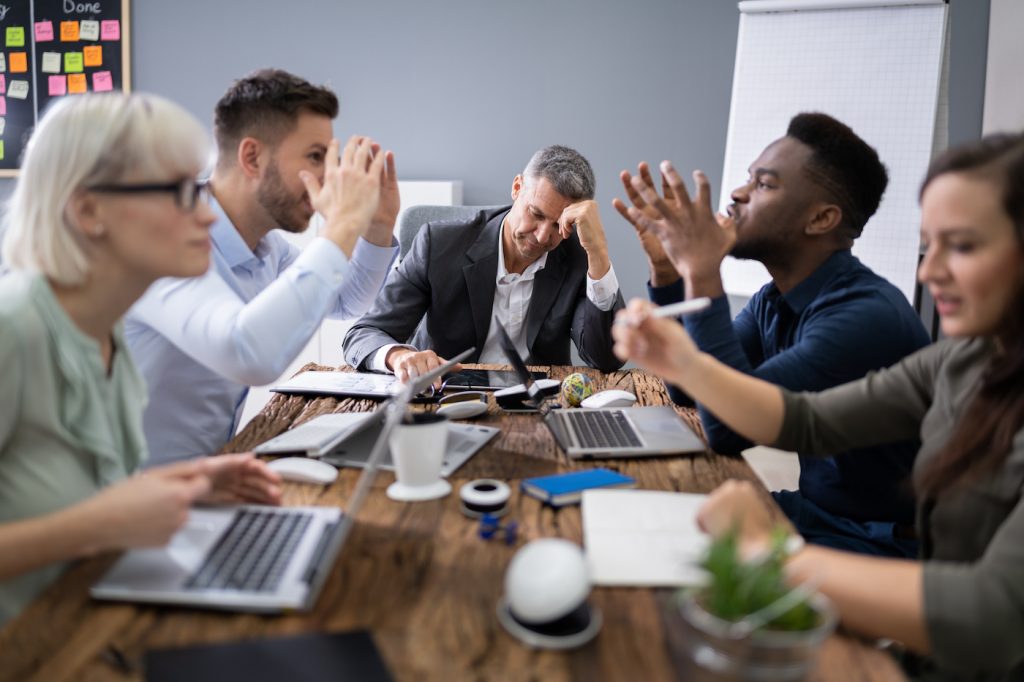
(769, 248)
(273, 196)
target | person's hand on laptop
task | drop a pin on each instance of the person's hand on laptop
(241, 479)
(407, 364)
(144, 510)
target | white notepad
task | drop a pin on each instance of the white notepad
(643, 538)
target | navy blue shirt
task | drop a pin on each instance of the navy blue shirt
(840, 323)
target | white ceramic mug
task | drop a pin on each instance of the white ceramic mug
(417, 448)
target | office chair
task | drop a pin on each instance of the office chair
(414, 217)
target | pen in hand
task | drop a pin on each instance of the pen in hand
(694, 305)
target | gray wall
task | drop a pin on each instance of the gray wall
(468, 89)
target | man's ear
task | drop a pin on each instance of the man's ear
(517, 187)
(825, 218)
(251, 156)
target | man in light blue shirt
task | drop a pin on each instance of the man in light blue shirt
(200, 343)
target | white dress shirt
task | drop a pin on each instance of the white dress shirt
(512, 293)
(201, 342)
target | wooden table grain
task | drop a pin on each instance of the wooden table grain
(415, 575)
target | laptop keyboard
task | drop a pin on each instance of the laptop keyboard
(254, 552)
(600, 429)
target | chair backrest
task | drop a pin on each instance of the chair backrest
(414, 217)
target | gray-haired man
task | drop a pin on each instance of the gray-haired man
(540, 266)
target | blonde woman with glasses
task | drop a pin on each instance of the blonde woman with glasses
(107, 202)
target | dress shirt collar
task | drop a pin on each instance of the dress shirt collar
(807, 291)
(229, 242)
(531, 270)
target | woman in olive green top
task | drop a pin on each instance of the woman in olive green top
(106, 203)
(962, 607)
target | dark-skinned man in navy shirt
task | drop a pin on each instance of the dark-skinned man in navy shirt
(824, 319)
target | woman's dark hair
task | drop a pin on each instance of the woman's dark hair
(983, 437)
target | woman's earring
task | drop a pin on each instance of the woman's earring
(98, 230)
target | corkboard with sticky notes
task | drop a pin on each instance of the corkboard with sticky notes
(51, 49)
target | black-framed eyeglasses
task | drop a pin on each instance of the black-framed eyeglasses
(187, 191)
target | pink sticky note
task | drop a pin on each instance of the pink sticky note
(110, 29)
(102, 81)
(44, 31)
(3, 84)
(58, 85)
(3, 106)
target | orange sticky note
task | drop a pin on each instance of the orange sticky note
(18, 62)
(69, 31)
(93, 55)
(76, 83)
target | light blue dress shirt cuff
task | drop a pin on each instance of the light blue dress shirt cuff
(373, 257)
(323, 258)
(602, 292)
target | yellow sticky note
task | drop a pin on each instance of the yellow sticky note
(76, 84)
(1, 150)
(69, 31)
(93, 55)
(15, 36)
(72, 62)
(19, 62)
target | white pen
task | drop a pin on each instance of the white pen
(675, 309)
(694, 305)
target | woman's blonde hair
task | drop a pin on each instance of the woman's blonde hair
(89, 140)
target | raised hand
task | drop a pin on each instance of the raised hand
(382, 225)
(663, 272)
(350, 194)
(694, 239)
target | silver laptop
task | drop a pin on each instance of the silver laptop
(253, 558)
(347, 439)
(608, 432)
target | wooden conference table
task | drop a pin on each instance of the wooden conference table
(416, 575)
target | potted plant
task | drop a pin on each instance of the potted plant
(746, 623)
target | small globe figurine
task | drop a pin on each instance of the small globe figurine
(576, 387)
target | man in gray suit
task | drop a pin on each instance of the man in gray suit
(540, 267)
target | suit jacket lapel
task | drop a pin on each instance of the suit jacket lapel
(546, 286)
(480, 276)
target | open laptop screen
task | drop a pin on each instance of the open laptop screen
(526, 377)
(395, 410)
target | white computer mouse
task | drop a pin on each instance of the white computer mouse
(304, 470)
(613, 397)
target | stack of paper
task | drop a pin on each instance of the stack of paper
(643, 538)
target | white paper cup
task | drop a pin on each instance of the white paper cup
(417, 449)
